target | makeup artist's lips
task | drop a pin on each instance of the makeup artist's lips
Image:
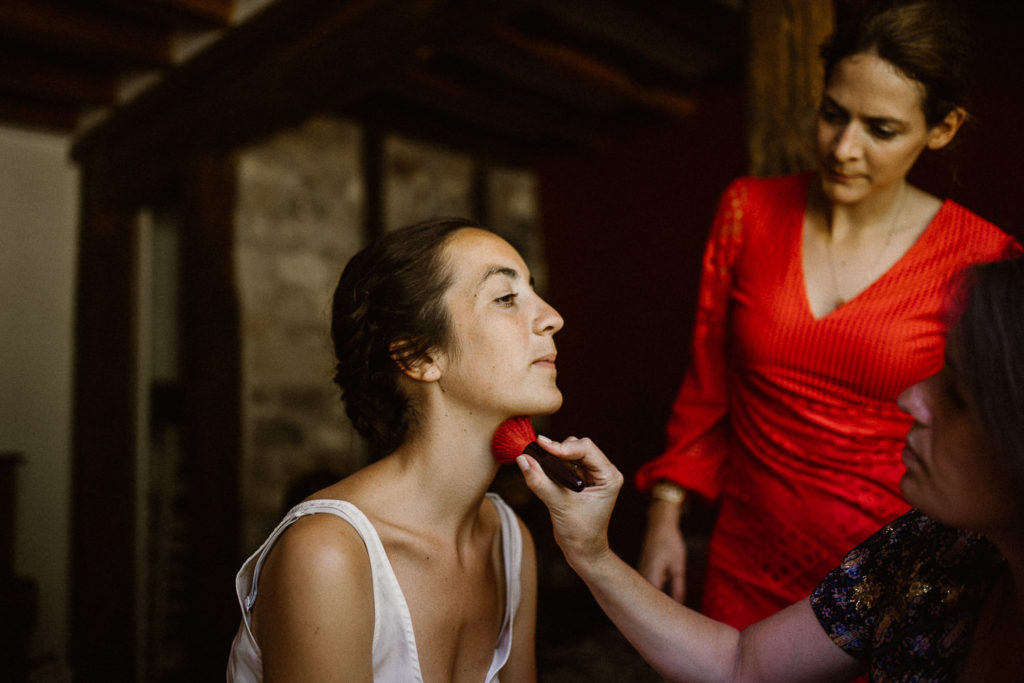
(910, 457)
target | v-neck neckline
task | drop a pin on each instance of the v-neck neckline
(801, 233)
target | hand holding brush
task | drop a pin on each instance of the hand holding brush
(516, 436)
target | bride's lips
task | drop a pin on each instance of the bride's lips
(547, 361)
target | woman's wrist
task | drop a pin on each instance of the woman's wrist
(668, 502)
(589, 560)
(668, 491)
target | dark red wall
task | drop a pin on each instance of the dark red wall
(986, 172)
(625, 228)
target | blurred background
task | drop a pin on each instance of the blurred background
(182, 180)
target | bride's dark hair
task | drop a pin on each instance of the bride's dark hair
(388, 313)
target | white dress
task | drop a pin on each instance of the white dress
(394, 645)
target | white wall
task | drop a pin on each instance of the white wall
(38, 227)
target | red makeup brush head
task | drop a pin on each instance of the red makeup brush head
(516, 436)
(511, 439)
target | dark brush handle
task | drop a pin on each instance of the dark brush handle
(555, 468)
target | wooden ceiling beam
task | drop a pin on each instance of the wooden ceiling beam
(45, 79)
(510, 56)
(178, 13)
(219, 11)
(91, 34)
(291, 60)
(504, 112)
(715, 26)
(616, 25)
(603, 77)
(20, 111)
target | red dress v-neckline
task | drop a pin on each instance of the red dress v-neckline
(797, 257)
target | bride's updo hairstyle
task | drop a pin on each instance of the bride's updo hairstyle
(389, 313)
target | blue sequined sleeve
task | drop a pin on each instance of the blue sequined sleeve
(908, 598)
(847, 600)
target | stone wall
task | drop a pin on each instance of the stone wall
(299, 218)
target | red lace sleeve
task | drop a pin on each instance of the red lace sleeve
(696, 430)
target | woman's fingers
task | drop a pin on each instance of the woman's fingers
(584, 453)
(579, 519)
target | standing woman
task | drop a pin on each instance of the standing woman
(408, 570)
(821, 299)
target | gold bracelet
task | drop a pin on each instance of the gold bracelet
(668, 491)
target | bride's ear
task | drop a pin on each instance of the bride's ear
(423, 369)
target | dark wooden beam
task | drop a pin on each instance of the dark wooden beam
(288, 62)
(25, 112)
(619, 25)
(602, 76)
(104, 437)
(504, 111)
(211, 389)
(220, 10)
(515, 58)
(784, 82)
(88, 33)
(178, 13)
(39, 78)
(715, 26)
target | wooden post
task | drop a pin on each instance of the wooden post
(211, 386)
(103, 503)
(784, 81)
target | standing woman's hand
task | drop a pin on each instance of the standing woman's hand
(580, 519)
(663, 554)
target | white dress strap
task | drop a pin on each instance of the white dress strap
(395, 658)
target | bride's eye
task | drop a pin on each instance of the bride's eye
(508, 300)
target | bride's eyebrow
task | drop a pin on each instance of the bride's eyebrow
(510, 273)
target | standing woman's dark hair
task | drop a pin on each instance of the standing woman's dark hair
(986, 349)
(928, 41)
(388, 313)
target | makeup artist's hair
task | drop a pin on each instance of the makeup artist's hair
(926, 40)
(986, 351)
(388, 313)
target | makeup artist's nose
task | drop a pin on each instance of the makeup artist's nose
(912, 401)
(548, 320)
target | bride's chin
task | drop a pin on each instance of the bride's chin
(547, 405)
(553, 406)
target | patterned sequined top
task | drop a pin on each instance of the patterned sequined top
(908, 599)
(788, 420)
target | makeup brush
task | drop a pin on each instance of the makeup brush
(515, 436)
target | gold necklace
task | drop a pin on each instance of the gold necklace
(840, 300)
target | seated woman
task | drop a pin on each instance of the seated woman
(408, 570)
(937, 595)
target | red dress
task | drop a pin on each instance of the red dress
(791, 422)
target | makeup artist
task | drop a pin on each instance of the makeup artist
(936, 595)
(408, 569)
(820, 300)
